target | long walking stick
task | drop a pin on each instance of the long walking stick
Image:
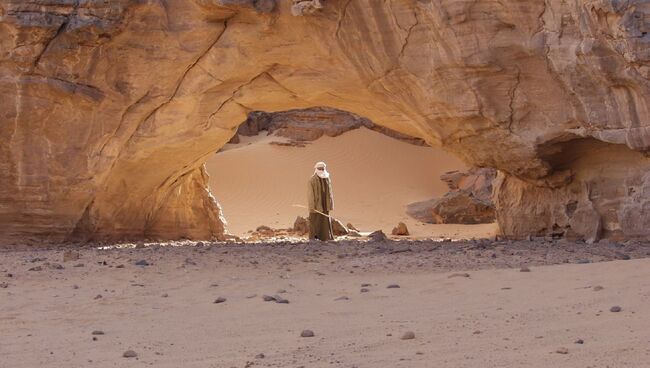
(317, 211)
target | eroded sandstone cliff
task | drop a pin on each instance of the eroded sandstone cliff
(108, 109)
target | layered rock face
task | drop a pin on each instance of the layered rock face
(311, 124)
(469, 200)
(108, 109)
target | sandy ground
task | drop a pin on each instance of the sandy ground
(467, 304)
(374, 177)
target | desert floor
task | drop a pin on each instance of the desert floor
(468, 304)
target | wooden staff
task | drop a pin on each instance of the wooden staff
(314, 210)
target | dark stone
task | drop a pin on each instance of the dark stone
(307, 333)
(377, 236)
(408, 335)
(130, 354)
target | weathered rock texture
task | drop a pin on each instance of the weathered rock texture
(311, 124)
(469, 200)
(108, 109)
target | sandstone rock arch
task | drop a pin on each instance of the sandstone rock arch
(109, 109)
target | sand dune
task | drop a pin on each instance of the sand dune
(374, 178)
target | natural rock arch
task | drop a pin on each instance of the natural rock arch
(111, 109)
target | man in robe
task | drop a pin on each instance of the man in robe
(321, 203)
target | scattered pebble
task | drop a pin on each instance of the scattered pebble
(97, 332)
(365, 285)
(130, 354)
(524, 269)
(142, 262)
(260, 356)
(392, 286)
(268, 298)
(615, 309)
(562, 351)
(579, 341)
(219, 300)
(99, 296)
(583, 261)
(408, 335)
(598, 288)
(461, 274)
(364, 290)
(307, 333)
(37, 268)
(280, 300)
(342, 298)
(165, 295)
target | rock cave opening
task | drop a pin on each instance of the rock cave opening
(380, 178)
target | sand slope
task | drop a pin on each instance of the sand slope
(374, 177)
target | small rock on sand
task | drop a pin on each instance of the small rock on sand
(130, 354)
(562, 351)
(142, 262)
(392, 286)
(260, 356)
(342, 298)
(97, 332)
(377, 236)
(462, 274)
(280, 300)
(364, 290)
(408, 335)
(524, 269)
(307, 333)
(400, 230)
(579, 341)
(219, 300)
(615, 309)
(598, 288)
(365, 285)
(37, 268)
(268, 298)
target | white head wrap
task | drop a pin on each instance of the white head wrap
(321, 173)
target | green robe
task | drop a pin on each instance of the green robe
(320, 199)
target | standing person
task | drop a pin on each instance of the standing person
(320, 204)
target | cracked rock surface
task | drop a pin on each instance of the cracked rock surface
(108, 110)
